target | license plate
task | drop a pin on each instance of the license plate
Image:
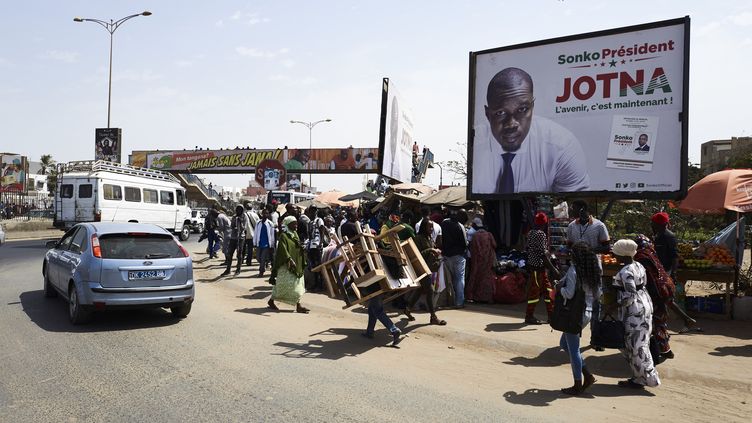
(146, 275)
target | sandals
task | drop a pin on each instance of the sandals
(407, 314)
(301, 309)
(439, 322)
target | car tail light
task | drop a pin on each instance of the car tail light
(185, 252)
(96, 250)
(98, 216)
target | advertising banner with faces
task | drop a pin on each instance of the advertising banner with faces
(602, 113)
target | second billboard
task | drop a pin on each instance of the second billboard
(602, 113)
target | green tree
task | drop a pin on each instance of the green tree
(49, 168)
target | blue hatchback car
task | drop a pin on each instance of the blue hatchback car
(100, 266)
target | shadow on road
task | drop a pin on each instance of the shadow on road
(533, 397)
(51, 314)
(739, 351)
(544, 397)
(255, 296)
(611, 365)
(550, 357)
(263, 311)
(505, 327)
(348, 343)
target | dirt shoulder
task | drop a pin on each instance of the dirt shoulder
(30, 229)
(721, 355)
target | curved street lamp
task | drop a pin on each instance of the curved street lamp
(310, 126)
(111, 27)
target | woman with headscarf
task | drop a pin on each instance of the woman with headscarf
(661, 288)
(585, 272)
(480, 286)
(635, 310)
(289, 264)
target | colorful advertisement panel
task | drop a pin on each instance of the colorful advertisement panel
(396, 134)
(594, 114)
(303, 160)
(108, 143)
(13, 169)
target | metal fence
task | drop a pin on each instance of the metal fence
(20, 205)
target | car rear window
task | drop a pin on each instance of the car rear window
(139, 246)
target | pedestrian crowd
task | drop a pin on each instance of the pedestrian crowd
(630, 309)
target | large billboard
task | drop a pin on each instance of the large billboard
(602, 114)
(13, 170)
(242, 160)
(107, 144)
(396, 134)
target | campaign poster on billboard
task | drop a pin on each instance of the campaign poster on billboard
(396, 134)
(13, 173)
(107, 144)
(244, 160)
(603, 113)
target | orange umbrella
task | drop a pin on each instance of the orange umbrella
(714, 194)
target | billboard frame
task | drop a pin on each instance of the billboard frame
(683, 116)
(382, 123)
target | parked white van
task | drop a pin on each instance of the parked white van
(99, 191)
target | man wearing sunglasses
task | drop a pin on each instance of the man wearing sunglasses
(522, 153)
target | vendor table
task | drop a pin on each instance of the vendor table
(724, 276)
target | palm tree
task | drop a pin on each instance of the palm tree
(47, 163)
(49, 169)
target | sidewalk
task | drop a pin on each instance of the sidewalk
(721, 355)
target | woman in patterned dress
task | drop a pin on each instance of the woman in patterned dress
(289, 263)
(480, 286)
(635, 310)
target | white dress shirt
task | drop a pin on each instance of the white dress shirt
(550, 159)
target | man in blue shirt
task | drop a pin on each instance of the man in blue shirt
(263, 238)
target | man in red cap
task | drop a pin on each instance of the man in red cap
(538, 260)
(665, 242)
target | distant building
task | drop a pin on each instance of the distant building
(715, 154)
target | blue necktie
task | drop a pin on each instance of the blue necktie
(505, 182)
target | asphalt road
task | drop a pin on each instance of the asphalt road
(230, 360)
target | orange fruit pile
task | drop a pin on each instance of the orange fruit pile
(719, 255)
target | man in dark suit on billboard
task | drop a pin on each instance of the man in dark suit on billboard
(643, 141)
(522, 153)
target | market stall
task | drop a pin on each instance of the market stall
(717, 193)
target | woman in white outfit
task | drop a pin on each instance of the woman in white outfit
(635, 310)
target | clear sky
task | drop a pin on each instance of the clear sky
(227, 73)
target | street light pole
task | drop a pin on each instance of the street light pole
(310, 126)
(441, 174)
(111, 27)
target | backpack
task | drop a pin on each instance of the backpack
(567, 314)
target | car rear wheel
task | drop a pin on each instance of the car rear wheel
(185, 233)
(77, 314)
(49, 290)
(181, 311)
